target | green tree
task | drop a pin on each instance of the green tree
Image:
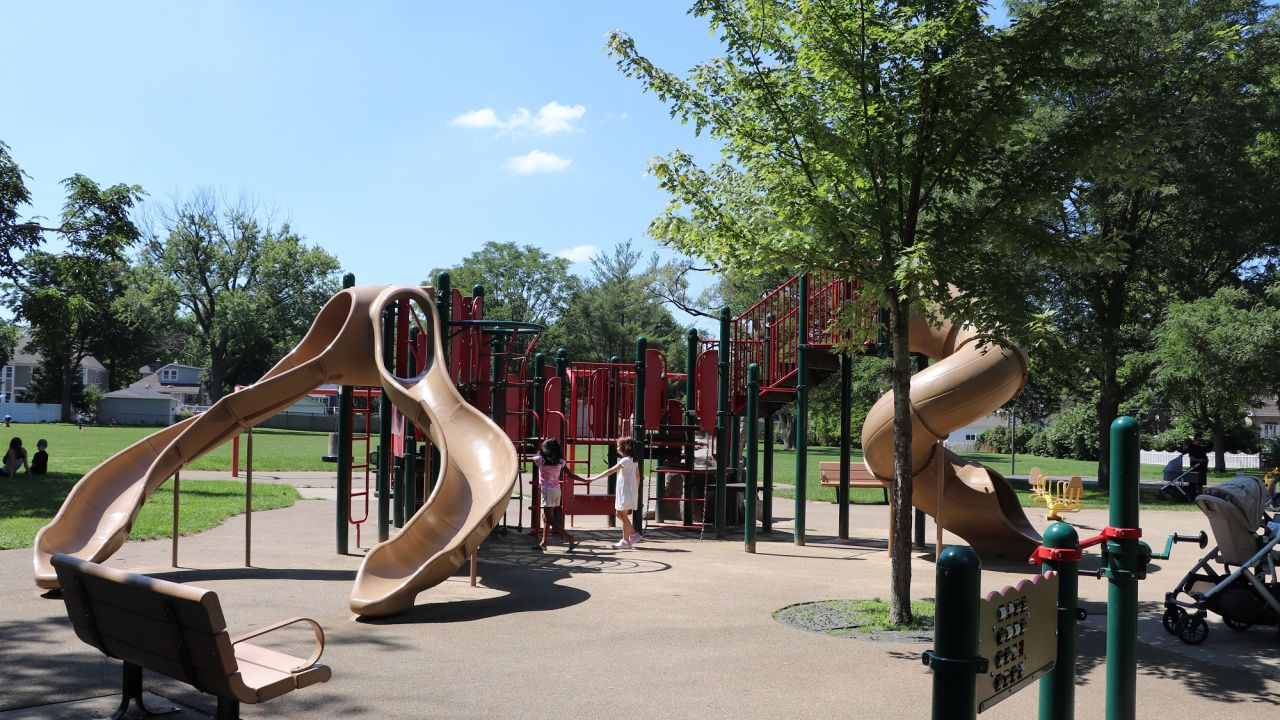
(521, 283)
(1175, 196)
(616, 306)
(883, 140)
(247, 287)
(1216, 358)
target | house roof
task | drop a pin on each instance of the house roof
(152, 382)
(138, 393)
(24, 355)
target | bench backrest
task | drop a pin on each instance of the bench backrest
(176, 630)
(831, 468)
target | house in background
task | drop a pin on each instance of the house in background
(1266, 417)
(181, 382)
(137, 406)
(15, 377)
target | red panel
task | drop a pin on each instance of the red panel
(597, 406)
(457, 343)
(675, 412)
(655, 386)
(552, 408)
(513, 423)
(705, 390)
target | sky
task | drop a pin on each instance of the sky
(399, 136)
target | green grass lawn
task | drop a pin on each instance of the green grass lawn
(28, 503)
(75, 452)
(784, 472)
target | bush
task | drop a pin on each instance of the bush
(1071, 433)
(998, 437)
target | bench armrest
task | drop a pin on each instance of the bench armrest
(316, 651)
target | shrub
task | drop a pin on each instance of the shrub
(998, 437)
(1071, 433)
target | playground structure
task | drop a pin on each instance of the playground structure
(464, 402)
(1058, 497)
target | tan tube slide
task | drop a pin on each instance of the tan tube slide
(967, 383)
(342, 346)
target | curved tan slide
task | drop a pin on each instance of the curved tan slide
(967, 383)
(343, 346)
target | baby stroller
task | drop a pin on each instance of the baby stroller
(1243, 587)
(1179, 484)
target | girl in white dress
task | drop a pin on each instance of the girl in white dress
(627, 493)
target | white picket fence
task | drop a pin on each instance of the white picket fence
(1233, 460)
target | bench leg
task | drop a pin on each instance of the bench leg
(131, 691)
(228, 709)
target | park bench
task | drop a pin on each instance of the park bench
(179, 631)
(859, 477)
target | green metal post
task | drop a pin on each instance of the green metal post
(802, 407)
(444, 306)
(410, 494)
(690, 418)
(722, 419)
(954, 658)
(384, 426)
(846, 442)
(637, 428)
(753, 432)
(766, 514)
(562, 372)
(611, 452)
(535, 399)
(1058, 687)
(397, 510)
(766, 469)
(346, 403)
(497, 376)
(1125, 566)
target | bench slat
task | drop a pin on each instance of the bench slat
(209, 651)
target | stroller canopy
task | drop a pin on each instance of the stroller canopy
(1246, 493)
(1235, 512)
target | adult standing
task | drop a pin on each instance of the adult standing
(1198, 453)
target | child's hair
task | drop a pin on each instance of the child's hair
(15, 443)
(627, 446)
(550, 452)
(42, 444)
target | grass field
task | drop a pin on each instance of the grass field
(72, 451)
(28, 503)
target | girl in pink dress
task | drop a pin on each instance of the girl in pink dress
(551, 469)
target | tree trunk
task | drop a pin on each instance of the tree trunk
(900, 561)
(217, 371)
(787, 429)
(1108, 410)
(1219, 444)
(68, 379)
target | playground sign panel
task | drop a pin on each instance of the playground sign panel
(1018, 635)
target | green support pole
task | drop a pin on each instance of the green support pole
(802, 407)
(384, 426)
(1058, 687)
(766, 469)
(397, 510)
(410, 495)
(846, 442)
(444, 306)
(1124, 565)
(611, 451)
(535, 397)
(562, 372)
(690, 418)
(954, 658)
(637, 428)
(753, 433)
(766, 515)
(722, 419)
(346, 403)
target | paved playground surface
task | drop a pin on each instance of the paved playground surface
(680, 627)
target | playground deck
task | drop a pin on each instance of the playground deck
(679, 626)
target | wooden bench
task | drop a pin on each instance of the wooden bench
(179, 631)
(859, 477)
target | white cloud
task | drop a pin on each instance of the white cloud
(537, 161)
(484, 118)
(551, 118)
(579, 253)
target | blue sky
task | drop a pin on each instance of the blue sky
(398, 136)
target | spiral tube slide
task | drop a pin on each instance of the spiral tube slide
(343, 346)
(965, 384)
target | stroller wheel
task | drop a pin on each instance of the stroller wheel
(1237, 625)
(1171, 617)
(1192, 630)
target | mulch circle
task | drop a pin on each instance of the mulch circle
(839, 618)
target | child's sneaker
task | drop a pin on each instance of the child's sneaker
(635, 539)
(622, 544)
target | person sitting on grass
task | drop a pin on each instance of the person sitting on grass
(15, 457)
(40, 461)
(551, 470)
